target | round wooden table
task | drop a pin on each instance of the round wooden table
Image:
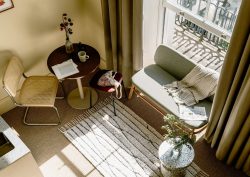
(79, 98)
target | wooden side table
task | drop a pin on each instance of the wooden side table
(79, 98)
(175, 165)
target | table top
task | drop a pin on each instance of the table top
(170, 160)
(59, 55)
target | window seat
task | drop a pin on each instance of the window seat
(169, 66)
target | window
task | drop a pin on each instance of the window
(199, 29)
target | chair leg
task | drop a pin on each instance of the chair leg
(131, 92)
(58, 116)
(40, 124)
(124, 90)
(63, 90)
(25, 115)
(113, 101)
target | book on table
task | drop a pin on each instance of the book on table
(65, 69)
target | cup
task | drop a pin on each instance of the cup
(83, 56)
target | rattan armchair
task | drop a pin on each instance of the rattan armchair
(36, 91)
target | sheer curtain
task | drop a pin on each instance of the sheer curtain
(122, 21)
(229, 126)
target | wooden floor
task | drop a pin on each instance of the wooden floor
(57, 157)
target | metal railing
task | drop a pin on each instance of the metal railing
(219, 12)
(203, 34)
(210, 20)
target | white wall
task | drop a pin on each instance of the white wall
(31, 31)
(152, 25)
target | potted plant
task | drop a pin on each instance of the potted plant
(176, 152)
(176, 136)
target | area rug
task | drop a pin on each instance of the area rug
(119, 146)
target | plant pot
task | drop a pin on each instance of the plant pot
(174, 161)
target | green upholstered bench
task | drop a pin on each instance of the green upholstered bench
(169, 66)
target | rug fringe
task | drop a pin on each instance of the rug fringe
(201, 174)
(86, 114)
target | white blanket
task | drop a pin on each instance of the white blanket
(197, 85)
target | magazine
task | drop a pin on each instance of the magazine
(192, 113)
(65, 69)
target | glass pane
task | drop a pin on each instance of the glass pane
(222, 13)
(200, 29)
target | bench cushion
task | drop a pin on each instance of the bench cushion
(150, 81)
(173, 62)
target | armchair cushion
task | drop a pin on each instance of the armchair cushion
(39, 91)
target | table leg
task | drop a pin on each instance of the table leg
(79, 98)
(79, 84)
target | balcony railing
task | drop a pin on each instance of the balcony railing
(200, 29)
(213, 20)
(203, 34)
(220, 12)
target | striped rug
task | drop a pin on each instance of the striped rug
(118, 146)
